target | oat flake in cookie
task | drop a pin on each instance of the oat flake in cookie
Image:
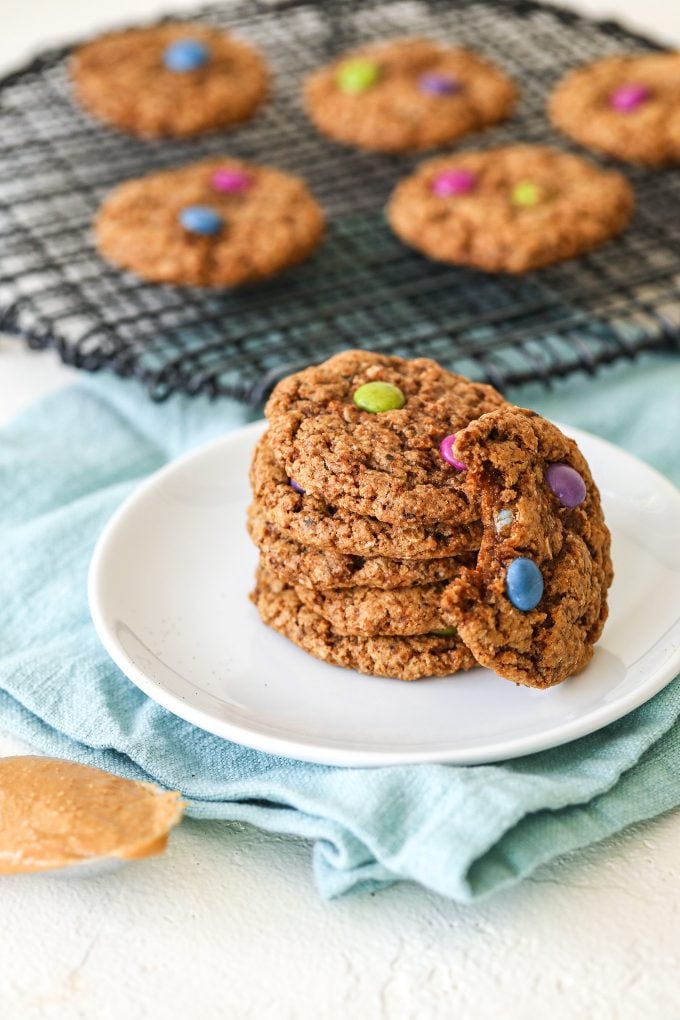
(220, 222)
(385, 464)
(371, 612)
(625, 106)
(403, 658)
(536, 603)
(171, 80)
(510, 209)
(407, 94)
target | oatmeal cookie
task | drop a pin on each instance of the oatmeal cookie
(509, 210)
(403, 658)
(372, 434)
(169, 80)
(371, 611)
(220, 222)
(625, 106)
(536, 602)
(407, 94)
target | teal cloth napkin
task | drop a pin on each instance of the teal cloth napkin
(70, 460)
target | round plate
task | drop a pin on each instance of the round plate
(168, 591)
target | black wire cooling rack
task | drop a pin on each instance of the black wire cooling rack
(362, 288)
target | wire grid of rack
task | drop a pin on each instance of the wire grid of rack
(363, 288)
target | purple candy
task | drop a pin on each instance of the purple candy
(567, 485)
(295, 487)
(628, 97)
(453, 182)
(226, 179)
(439, 84)
(446, 450)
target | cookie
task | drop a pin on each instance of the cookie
(626, 106)
(509, 210)
(311, 521)
(407, 94)
(403, 658)
(536, 602)
(319, 569)
(372, 434)
(220, 222)
(169, 80)
(372, 611)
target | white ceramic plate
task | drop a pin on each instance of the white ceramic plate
(168, 593)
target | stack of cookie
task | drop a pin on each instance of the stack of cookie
(381, 550)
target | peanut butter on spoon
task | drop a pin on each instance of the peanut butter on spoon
(58, 814)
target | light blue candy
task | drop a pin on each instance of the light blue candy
(524, 584)
(200, 219)
(185, 55)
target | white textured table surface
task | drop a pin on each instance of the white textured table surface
(228, 923)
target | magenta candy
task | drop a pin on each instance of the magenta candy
(436, 84)
(295, 487)
(567, 485)
(628, 97)
(446, 450)
(226, 179)
(453, 182)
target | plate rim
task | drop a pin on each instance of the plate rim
(319, 753)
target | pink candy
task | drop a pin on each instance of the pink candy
(453, 182)
(628, 97)
(446, 450)
(226, 179)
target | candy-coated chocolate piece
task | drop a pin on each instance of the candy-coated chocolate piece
(524, 584)
(357, 75)
(379, 396)
(200, 219)
(453, 182)
(628, 97)
(437, 84)
(446, 451)
(227, 179)
(185, 55)
(567, 484)
(295, 487)
(444, 632)
(502, 520)
(525, 193)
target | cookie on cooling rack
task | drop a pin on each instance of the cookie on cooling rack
(407, 94)
(220, 222)
(172, 80)
(625, 106)
(510, 209)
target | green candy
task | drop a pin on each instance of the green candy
(357, 76)
(379, 396)
(444, 632)
(525, 193)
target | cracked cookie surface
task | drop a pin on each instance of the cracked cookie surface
(269, 224)
(385, 465)
(507, 454)
(403, 658)
(413, 94)
(509, 210)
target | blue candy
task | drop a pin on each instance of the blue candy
(524, 584)
(185, 55)
(200, 219)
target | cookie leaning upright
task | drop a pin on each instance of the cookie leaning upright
(536, 602)
(364, 431)
(172, 80)
(510, 209)
(626, 106)
(220, 222)
(407, 94)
